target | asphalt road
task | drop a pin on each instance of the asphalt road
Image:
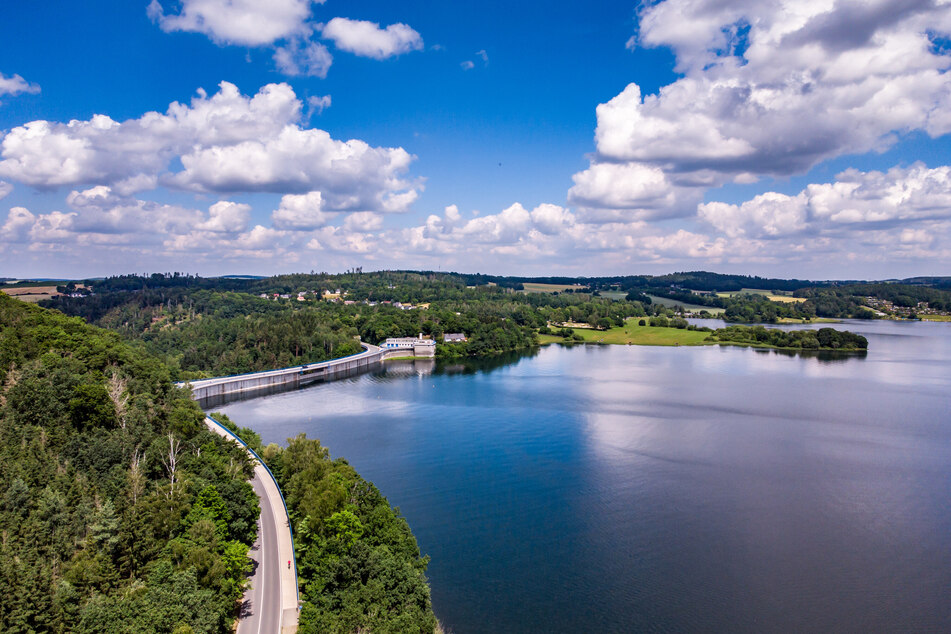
(261, 608)
(270, 604)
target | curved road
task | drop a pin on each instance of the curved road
(270, 604)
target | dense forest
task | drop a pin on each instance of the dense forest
(359, 565)
(120, 512)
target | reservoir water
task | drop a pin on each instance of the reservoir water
(626, 488)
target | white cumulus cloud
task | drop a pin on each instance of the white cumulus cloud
(368, 39)
(856, 201)
(316, 104)
(771, 88)
(244, 22)
(16, 85)
(301, 212)
(303, 58)
(227, 217)
(17, 226)
(225, 143)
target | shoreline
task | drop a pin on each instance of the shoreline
(699, 345)
(661, 336)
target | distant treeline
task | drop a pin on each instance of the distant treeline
(215, 326)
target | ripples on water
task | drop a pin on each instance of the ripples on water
(662, 489)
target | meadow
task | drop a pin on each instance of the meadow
(633, 334)
(696, 308)
(533, 287)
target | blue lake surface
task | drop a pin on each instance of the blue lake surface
(628, 488)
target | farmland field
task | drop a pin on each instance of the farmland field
(532, 287)
(30, 293)
(789, 299)
(670, 303)
(633, 334)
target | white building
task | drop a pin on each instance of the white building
(416, 346)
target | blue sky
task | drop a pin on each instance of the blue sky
(788, 138)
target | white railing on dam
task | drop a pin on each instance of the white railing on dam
(285, 377)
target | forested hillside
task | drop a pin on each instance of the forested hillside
(119, 512)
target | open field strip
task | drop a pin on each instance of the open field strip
(632, 334)
(771, 296)
(30, 293)
(670, 303)
(532, 287)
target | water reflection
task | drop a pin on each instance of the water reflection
(484, 365)
(409, 367)
(617, 489)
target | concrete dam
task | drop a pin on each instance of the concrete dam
(211, 392)
(216, 391)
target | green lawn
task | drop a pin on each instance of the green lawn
(633, 334)
(670, 303)
(935, 317)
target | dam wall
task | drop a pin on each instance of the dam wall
(212, 391)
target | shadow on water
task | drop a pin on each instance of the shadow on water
(484, 365)
(211, 402)
(822, 356)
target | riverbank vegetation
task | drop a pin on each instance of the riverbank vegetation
(119, 512)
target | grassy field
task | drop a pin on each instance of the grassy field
(636, 335)
(531, 287)
(670, 303)
(30, 293)
(615, 295)
(935, 317)
(773, 297)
